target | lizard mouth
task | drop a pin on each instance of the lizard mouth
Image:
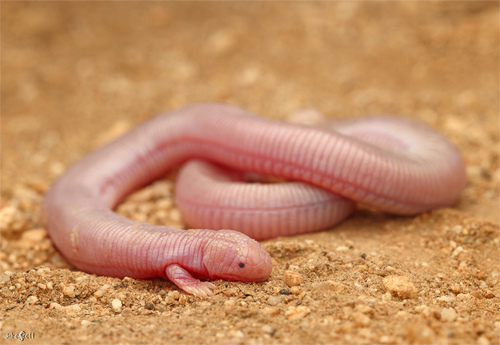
(257, 273)
(241, 278)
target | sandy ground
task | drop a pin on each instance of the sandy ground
(76, 74)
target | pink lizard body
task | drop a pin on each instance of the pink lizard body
(395, 165)
(212, 197)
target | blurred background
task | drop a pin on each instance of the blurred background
(76, 74)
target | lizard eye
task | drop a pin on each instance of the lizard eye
(241, 264)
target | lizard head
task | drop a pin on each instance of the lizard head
(231, 255)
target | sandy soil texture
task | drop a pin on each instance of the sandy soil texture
(77, 74)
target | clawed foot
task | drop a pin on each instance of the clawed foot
(183, 279)
(200, 289)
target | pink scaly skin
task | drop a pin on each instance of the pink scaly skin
(206, 194)
(411, 171)
(210, 196)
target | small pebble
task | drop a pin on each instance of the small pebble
(482, 340)
(418, 333)
(329, 285)
(31, 300)
(44, 271)
(273, 301)
(85, 323)
(446, 298)
(117, 129)
(295, 313)
(11, 218)
(229, 306)
(169, 300)
(457, 251)
(126, 311)
(428, 312)
(70, 309)
(116, 305)
(55, 305)
(364, 309)
(448, 315)
(387, 339)
(489, 294)
(183, 299)
(479, 327)
(270, 311)
(34, 236)
(99, 293)
(455, 288)
(69, 291)
(57, 168)
(464, 296)
(293, 278)
(402, 314)
(174, 294)
(268, 329)
(236, 334)
(360, 319)
(38, 186)
(400, 286)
